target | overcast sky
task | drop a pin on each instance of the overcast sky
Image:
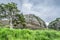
(47, 10)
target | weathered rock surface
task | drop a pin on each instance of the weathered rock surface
(55, 24)
(33, 22)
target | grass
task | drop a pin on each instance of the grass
(26, 34)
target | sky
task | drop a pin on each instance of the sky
(48, 10)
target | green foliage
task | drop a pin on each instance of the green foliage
(8, 11)
(26, 34)
(19, 20)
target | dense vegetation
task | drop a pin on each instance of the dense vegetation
(26, 34)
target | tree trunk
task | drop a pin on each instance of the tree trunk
(11, 25)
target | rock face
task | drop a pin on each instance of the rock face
(34, 22)
(4, 22)
(55, 24)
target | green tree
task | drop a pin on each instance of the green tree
(11, 9)
(8, 11)
(19, 19)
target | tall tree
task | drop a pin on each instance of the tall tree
(9, 10)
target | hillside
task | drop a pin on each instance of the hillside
(55, 24)
(26, 34)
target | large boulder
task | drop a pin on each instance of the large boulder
(34, 22)
(55, 24)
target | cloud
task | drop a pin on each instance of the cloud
(26, 7)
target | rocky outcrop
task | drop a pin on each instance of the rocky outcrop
(34, 22)
(55, 24)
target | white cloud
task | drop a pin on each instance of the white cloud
(27, 6)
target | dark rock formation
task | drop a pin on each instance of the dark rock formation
(55, 24)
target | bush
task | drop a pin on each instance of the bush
(26, 34)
